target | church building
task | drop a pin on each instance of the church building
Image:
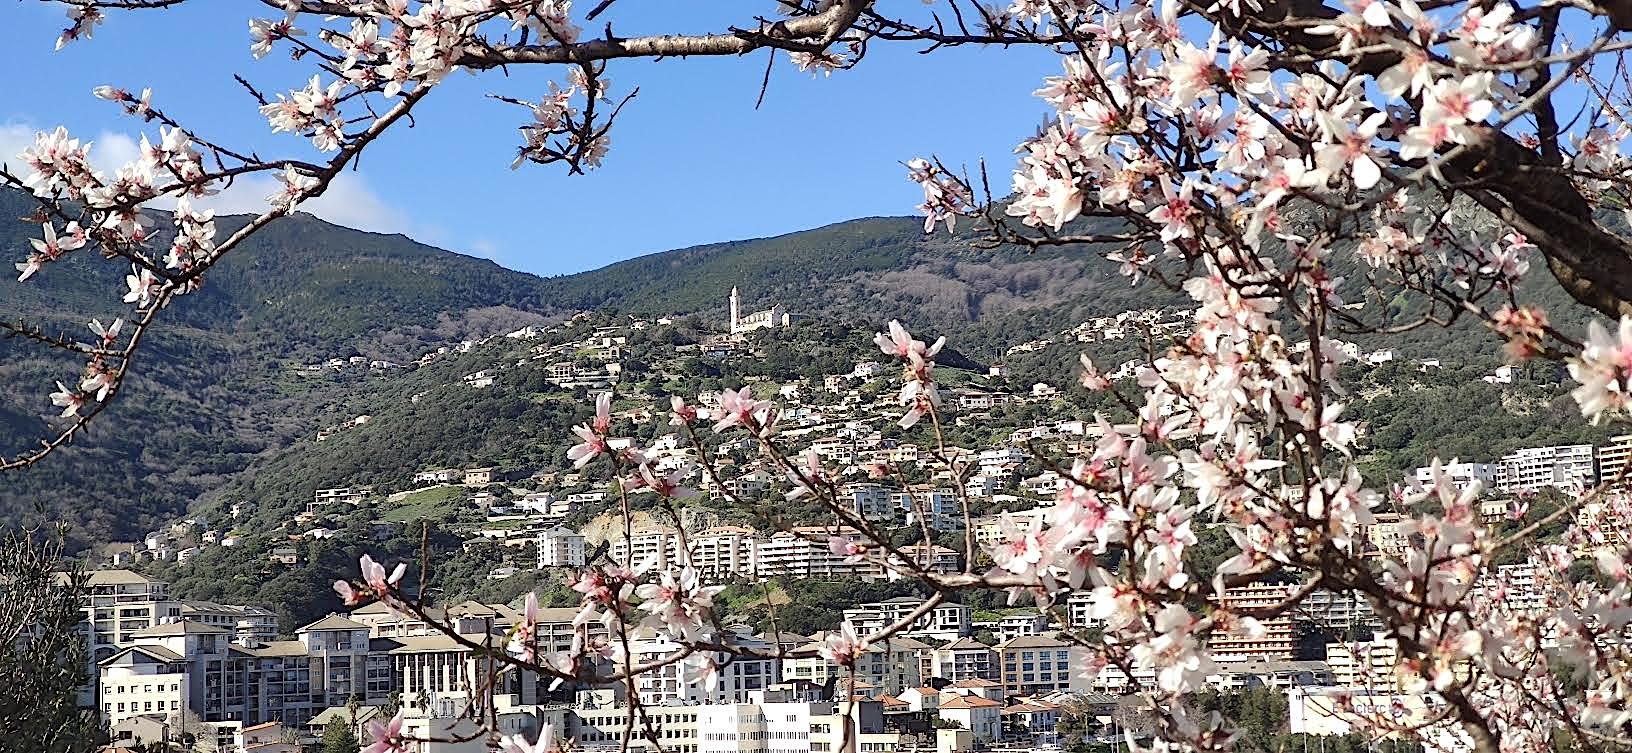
(775, 316)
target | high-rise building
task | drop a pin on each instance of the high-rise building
(1278, 637)
(1613, 459)
(1540, 467)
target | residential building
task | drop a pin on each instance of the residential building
(1277, 636)
(1606, 523)
(1461, 475)
(803, 552)
(873, 502)
(1364, 664)
(349, 495)
(738, 676)
(1079, 610)
(1021, 624)
(1539, 467)
(1236, 676)
(928, 557)
(1385, 535)
(339, 651)
(945, 622)
(1339, 613)
(1613, 459)
(656, 547)
(981, 716)
(936, 506)
(560, 547)
(143, 681)
(965, 658)
(249, 625)
(1035, 717)
(1034, 665)
(439, 476)
(723, 553)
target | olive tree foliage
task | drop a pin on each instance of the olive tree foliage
(1228, 148)
(42, 651)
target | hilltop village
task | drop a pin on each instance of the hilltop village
(978, 675)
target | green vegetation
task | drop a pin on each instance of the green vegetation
(42, 672)
(338, 737)
(426, 503)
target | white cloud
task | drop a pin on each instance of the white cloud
(349, 200)
(109, 150)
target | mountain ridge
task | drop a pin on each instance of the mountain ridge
(216, 390)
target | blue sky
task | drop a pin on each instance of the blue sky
(692, 161)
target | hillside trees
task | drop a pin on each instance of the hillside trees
(42, 653)
(1228, 152)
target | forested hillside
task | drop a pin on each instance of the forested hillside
(216, 392)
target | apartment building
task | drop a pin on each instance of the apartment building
(339, 652)
(803, 552)
(1017, 625)
(1540, 467)
(1606, 523)
(1034, 665)
(1613, 459)
(1345, 613)
(143, 680)
(119, 603)
(873, 502)
(1385, 535)
(1278, 636)
(192, 667)
(723, 553)
(248, 624)
(738, 676)
(888, 667)
(657, 547)
(937, 507)
(560, 547)
(1364, 664)
(964, 659)
(1461, 475)
(1079, 611)
(670, 729)
(943, 622)
(928, 557)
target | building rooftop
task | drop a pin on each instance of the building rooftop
(969, 702)
(155, 652)
(185, 627)
(115, 578)
(275, 648)
(363, 714)
(333, 622)
(1032, 641)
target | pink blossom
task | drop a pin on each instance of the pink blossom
(843, 646)
(387, 736)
